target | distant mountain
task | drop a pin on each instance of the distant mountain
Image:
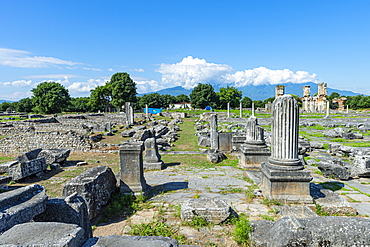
(260, 92)
(1, 101)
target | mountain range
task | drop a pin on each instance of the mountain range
(260, 92)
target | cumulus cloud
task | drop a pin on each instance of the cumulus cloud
(85, 87)
(191, 71)
(146, 86)
(263, 76)
(50, 77)
(138, 70)
(18, 83)
(24, 59)
(16, 96)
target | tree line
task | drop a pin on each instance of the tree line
(52, 97)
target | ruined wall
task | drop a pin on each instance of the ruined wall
(46, 140)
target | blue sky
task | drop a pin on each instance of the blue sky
(161, 44)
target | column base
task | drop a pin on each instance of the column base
(153, 166)
(290, 185)
(252, 157)
(133, 188)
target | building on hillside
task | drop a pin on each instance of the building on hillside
(181, 105)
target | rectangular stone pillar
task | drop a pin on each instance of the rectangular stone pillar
(129, 110)
(131, 175)
(225, 142)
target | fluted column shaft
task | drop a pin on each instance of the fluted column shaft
(284, 128)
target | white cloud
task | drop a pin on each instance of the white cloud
(85, 87)
(53, 76)
(147, 86)
(94, 69)
(263, 76)
(110, 69)
(192, 71)
(18, 83)
(138, 70)
(16, 96)
(24, 59)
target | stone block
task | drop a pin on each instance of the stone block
(297, 211)
(31, 155)
(94, 185)
(316, 231)
(253, 156)
(361, 166)
(130, 178)
(215, 156)
(71, 210)
(128, 133)
(26, 168)
(4, 167)
(44, 234)
(332, 170)
(54, 155)
(225, 142)
(212, 210)
(331, 202)
(204, 141)
(128, 241)
(21, 205)
(5, 179)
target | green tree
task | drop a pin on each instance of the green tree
(246, 102)
(123, 89)
(229, 95)
(258, 103)
(299, 101)
(50, 97)
(203, 95)
(153, 100)
(5, 106)
(79, 105)
(333, 95)
(182, 98)
(168, 100)
(100, 97)
(268, 100)
(25, 105)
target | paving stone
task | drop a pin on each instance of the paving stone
(359, 197)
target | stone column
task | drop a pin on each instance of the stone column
(347, 109)
(228, 110)
(254, 151)
(131, 175)
(252, 109)
(327, 109)
(214, 132)
(241, 110)
(146, 112)
(129, 110)
(284, 177)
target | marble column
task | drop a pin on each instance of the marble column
(152, 158)
(241, 110)
(146, 112)
(283, 176)
(129, 110)
(228, 110)
(214, 132)
(252, 109)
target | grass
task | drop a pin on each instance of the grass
(187, 141)
(197, 222)
(158, 227)
(242, 231)
(271, 202)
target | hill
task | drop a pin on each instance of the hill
(260, 92)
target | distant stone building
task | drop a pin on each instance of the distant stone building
(340, 102)
(316, 103)
(279, 90)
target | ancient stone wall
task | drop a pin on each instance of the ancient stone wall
(46, 140)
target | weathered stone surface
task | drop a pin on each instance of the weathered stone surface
(215, 156)
(142, 135)
(331, 202)
(21, 205)
(26, 168)
(283, 176)
(54, 155)
(130, 178)
(4, 167)
(5, 179)
(316, 144)
(44, 234)
(212, 210)
(71, 210)
(225, 142)
(128, 241)
(361, 166)
(204, 141)
(332, 170)
(214, 131)
(152, 159)
(128, 133)
(316, 231)
(94, 185)
(31, 155)
(297, 211)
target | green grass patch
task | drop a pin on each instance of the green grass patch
(270, 202)
(197, 222)
(316, 127)
(242, 231)
(186, 141)
(158, 228)
(358, 144)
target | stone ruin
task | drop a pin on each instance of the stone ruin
(279, 90)
(340, 102)
(317, 103)
(283, 176)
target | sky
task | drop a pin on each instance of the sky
(163, 44)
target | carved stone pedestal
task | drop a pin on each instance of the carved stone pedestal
(290, 186)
